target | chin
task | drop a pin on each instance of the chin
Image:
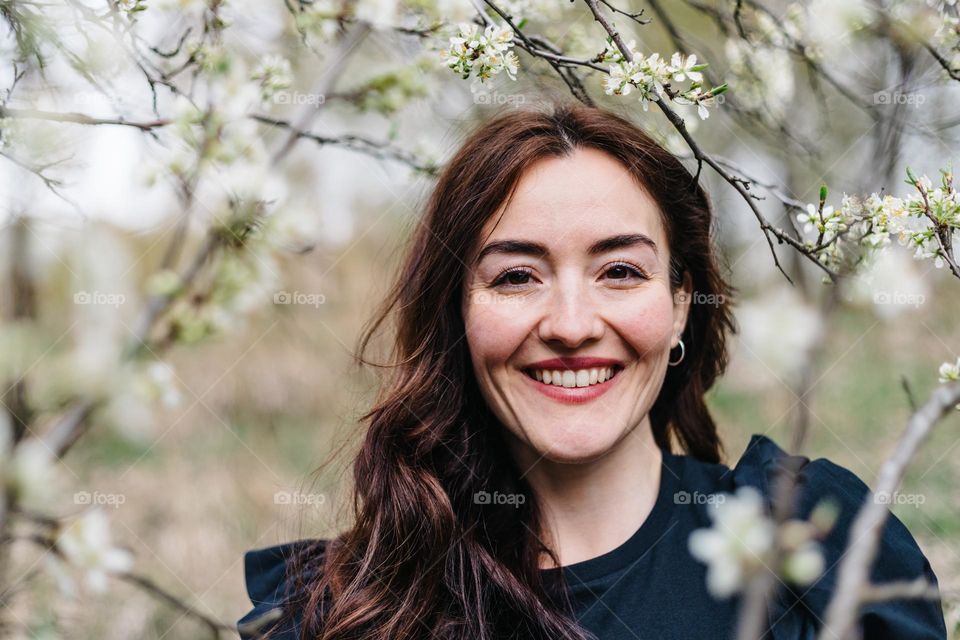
(574, 448)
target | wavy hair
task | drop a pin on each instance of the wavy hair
(421, 558)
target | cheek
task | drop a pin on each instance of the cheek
(646, 323)
(494, 330)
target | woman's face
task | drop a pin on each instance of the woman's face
(572, 286)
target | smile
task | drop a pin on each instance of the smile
(573, 378)
(575, 386)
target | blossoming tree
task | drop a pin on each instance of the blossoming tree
(225, 91)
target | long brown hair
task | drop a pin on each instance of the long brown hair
(422, 558)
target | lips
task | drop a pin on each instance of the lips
(577, 394)
(574, 363)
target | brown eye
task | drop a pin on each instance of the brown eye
(513, 278)
(622, 271)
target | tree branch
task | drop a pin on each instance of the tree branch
(853, 573)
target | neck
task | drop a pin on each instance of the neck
(591, 508)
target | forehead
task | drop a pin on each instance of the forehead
(570, 199)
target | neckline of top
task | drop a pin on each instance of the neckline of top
(641, 541)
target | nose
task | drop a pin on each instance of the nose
(571, 317)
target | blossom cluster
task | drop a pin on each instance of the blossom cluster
(654, 76)
(743, 538)
(947, 40)
(482, 54)
(927, 221)
(949, 372)
(274, 75)
(29, 476)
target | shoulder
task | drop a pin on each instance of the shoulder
(272, 585)
(899, 557)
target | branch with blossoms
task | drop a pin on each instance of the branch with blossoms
(229, 271)
(84, 543)
(927, 221)
(485, 55)
(705, 98)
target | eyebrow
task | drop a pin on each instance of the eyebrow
(536, 249)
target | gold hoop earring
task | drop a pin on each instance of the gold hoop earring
(683, 352)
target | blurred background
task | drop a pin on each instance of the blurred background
(204, 201)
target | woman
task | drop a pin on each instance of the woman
(560, 315)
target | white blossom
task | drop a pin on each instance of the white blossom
(28, 471)
(825, 222)
(742, 541)
(482, 55)
(86, 544)
(274, 74)
(920, 221)
(158, 381)
(949, 372)
(735, 546)
(805, 564)
(652, 74)
(685, 68)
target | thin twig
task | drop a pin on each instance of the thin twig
(853, 574)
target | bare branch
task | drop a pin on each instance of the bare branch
(79, 118)
(919, 588)
(381, 150)
(329, 78)
(853, 573)
(216, 627)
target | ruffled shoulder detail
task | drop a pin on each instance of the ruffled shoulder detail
(269, 583)
(899, 557)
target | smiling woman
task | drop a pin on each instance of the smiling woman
(542, 451)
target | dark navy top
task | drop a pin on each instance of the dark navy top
(651, 588)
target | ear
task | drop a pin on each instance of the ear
(682, 301)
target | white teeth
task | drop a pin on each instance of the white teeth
(583, 378)
(570, 379)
